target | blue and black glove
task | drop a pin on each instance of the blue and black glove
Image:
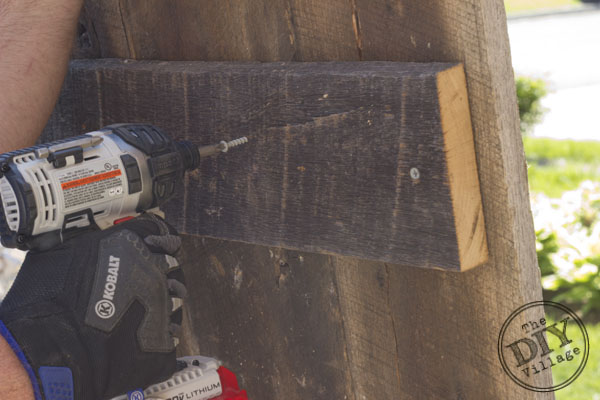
(93, 318)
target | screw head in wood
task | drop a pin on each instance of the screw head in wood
(414, 173)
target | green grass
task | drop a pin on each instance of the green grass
(559, 165)
(556, 166)
(513, 6)
(571, 150)
(587, 385)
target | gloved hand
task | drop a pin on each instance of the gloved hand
(94, 317)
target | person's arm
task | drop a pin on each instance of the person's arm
(14, 382)
(35, 44)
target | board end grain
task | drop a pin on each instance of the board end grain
(462, 167)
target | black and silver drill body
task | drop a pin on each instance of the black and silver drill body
(53, 191)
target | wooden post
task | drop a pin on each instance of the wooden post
(298, 325)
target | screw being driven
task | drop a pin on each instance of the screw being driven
(224, 146)
(220, 147)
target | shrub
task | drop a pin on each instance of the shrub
(568, 244)
(529, 94)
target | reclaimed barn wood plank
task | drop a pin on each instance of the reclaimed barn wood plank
(343, 158)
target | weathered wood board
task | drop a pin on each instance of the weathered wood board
(372, 160)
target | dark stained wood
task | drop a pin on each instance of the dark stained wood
(224, 30)
(406, 332)
(86, 43)
(327, 166)
(299, 347)
(207, 30)
(104, 20)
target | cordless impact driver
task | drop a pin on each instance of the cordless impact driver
(55, 191)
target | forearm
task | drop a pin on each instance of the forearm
(35, 44)
(14, 381)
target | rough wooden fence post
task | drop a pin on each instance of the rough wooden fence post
(300, 326)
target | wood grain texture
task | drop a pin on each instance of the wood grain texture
(104, 20)
(455, 119)
(224, 30)
(331, 147)
(444, 315)
(426, 334)
(291, 345)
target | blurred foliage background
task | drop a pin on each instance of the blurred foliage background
(564, 182)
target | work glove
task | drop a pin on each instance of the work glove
(93, 318)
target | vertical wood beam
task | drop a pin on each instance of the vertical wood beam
(436, 332)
